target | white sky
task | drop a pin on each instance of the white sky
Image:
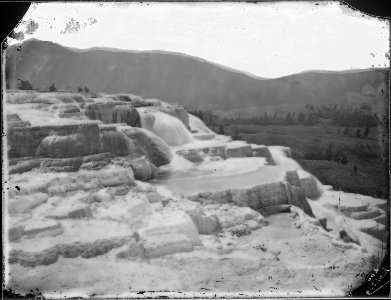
(265, 39)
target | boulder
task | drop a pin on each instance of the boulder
(120, 144)
(292, 178)
(66, 146)
(156, 150)
(113, 112)
(142, 168)
(26, 141)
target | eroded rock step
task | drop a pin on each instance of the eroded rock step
(93, 206)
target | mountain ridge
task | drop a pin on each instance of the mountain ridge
(161, 51)
(187, 80)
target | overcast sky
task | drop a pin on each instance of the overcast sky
(265, 39)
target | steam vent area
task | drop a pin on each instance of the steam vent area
(113, 195)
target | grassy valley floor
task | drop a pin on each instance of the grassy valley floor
(315, 148)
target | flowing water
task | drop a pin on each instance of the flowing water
(169, 128)
(217, 174)
(197, 125)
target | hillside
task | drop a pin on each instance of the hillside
(186, 80)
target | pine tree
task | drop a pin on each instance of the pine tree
(366, 131)
(288, 119)
(24, 85)
(236, 135)
(52, 88)
(266, 119)
(221, 129)
(329, 152)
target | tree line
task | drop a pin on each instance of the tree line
(343, 116)
(25, 85)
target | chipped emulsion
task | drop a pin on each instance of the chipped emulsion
(225, 207)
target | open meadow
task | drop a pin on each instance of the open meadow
(315, 148)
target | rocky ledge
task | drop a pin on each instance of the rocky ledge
(118, 190)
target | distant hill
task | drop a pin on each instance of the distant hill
(186, 80)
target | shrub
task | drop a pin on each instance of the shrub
(24, 85)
